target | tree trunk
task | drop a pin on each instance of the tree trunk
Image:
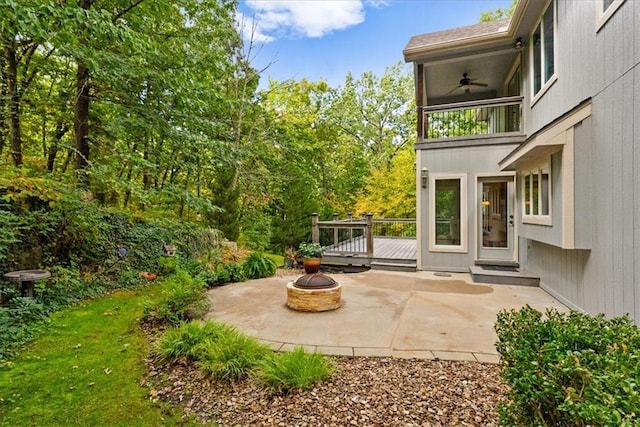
(13, 97)
(3, 102)
(61, 130)
(81, 119)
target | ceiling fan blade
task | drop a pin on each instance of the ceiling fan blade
(479, 84)
(454, 89)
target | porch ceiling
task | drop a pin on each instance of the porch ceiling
(442, 77)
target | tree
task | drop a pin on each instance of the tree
(377, 113)
(390, 190)
(499, 13)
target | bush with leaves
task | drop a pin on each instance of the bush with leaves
(20, 320)
(257, 265)
(182, 299)
(569, 368)
(293, 370)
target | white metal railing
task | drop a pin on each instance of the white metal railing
(472, 118)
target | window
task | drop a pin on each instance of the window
(543, 50)
(537, 195)
(448, 206)
(605, 10)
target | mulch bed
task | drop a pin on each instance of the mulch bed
(361, 392)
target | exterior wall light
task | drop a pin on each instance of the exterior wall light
(518, 44)
(424, 175)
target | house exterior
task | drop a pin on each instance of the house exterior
(528, 149)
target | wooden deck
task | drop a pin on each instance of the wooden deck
(389, 253)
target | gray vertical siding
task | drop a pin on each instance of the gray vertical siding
(603, 66)
(473, 161)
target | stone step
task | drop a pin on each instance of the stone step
(497, 262)
(393, 266)
(504, 276)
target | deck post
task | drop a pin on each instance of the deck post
(315, 230)
(369, 234)
(335, 231)
(350, 218)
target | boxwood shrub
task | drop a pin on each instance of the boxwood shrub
(569, 369)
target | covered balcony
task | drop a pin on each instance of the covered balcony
(483, 118)
(469, 85)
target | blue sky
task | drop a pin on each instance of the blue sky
(326, 39)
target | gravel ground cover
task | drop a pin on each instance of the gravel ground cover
(361, 392)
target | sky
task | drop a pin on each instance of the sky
(326, 39)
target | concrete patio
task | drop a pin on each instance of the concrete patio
(405, 315)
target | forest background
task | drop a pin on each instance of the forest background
(154, 110)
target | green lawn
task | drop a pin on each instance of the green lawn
(85, 370)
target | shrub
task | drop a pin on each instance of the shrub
(296, 369)
(188, 339)
(20, 320)
(231, 273)
(257, 266)
(182, 299)
(569, 369)
(234, 356)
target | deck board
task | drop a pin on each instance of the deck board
(384, 249)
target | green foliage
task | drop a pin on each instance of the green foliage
(257, 265)
(85, 370)
(569, 369)
(233, 357)
(226, 195)
(231, 273)
(499, 13)
(310, 250)
(294, 370)
(188, 339)
(182, 299)
(390, 189)
(20, 321)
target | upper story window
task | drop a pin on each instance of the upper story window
(537, 195)
(605, 10)
(543, 51)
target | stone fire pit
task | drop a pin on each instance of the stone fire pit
(314, 292)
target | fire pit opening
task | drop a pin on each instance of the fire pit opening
(314, 292)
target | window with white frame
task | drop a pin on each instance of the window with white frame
(537, 195)
(448, 207)
(605, 10)
(543, 50)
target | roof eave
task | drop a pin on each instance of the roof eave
(417, 53)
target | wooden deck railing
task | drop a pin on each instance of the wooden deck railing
(472, 118)
(356, 235)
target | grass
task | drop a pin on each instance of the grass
(86, 370)
(278, 259)
(189, 339)
(294, 370)
(234, 356)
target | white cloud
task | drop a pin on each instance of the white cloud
(305, 18)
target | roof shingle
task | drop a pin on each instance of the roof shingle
(457, 34)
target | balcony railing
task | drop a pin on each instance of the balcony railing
(355, 236)
(472, 118)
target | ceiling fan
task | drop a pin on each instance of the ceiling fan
(465, 82)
